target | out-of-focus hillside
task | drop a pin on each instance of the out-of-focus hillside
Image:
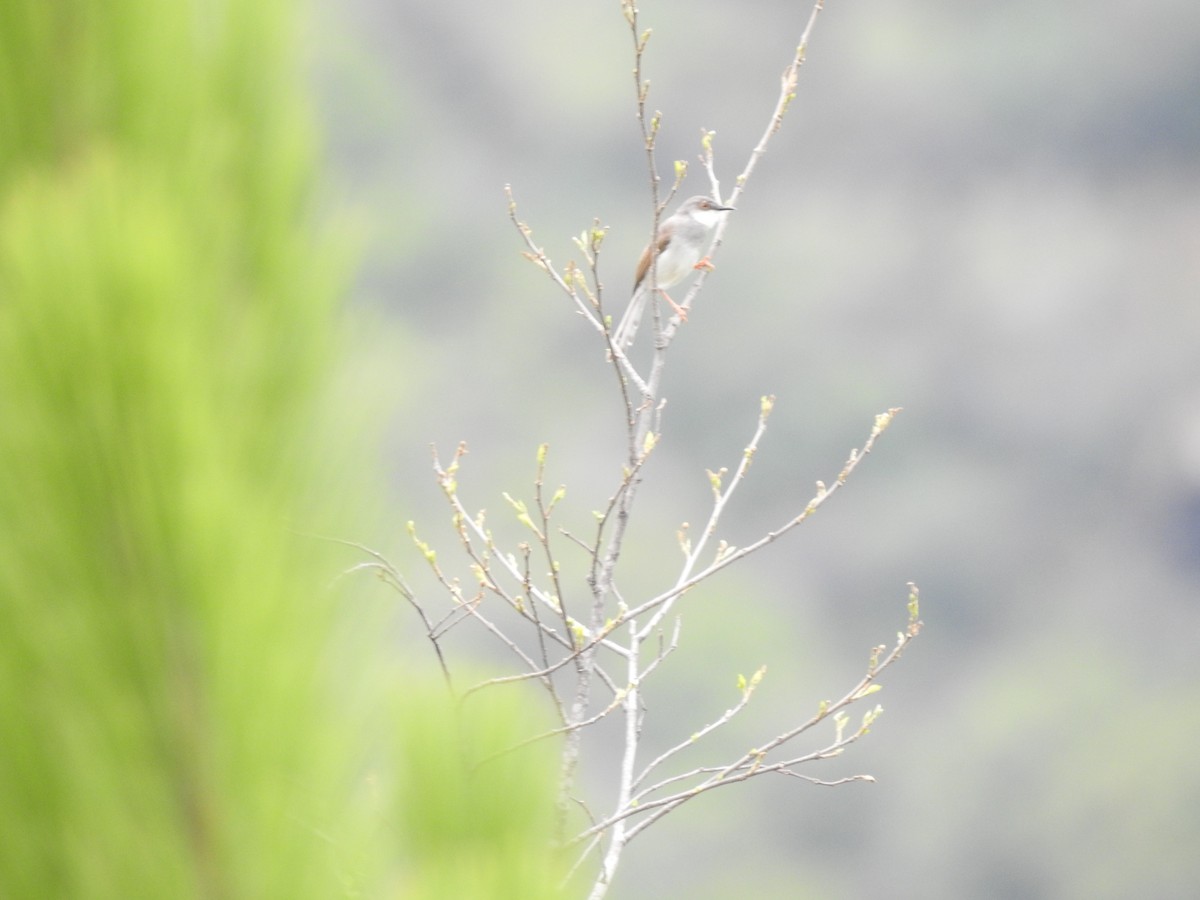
(986, 214)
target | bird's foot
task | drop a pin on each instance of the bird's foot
(704, 265)
(679, 310)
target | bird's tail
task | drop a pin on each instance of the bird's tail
(627, 328)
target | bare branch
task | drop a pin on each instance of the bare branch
(553, 732)
(787, 92)
(568, 648)
(819, 499)
(538, 257)
(392, 577)
(721, 500)
(753, 763)
(703, 732)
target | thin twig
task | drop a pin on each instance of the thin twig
(720, 501)
(538, 257)
(752, 763)
(819, 499)
(787, 92)
(703, 732)
(393, 577)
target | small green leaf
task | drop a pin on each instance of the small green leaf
(869, 719)
(715, 478)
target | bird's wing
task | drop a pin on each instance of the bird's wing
(643, 266)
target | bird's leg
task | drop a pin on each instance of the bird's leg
(679, 310)
(704, 264)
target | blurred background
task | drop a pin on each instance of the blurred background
(987, 214)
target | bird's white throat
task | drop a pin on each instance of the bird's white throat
(708, 217)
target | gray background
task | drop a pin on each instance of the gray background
(986, 213)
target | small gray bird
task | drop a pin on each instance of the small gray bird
(679, 245)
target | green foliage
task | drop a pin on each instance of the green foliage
(167, 724)
(473, 831)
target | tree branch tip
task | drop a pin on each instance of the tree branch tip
(883, 420)
(914, 605)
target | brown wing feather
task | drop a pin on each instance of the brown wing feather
(643, 265)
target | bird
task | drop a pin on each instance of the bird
(678, 246)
